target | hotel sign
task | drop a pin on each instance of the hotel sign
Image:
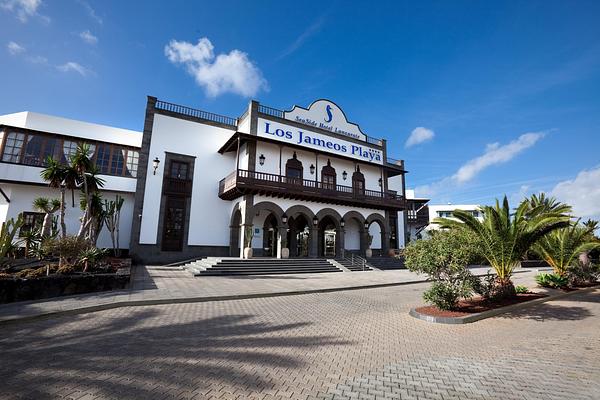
(325, 114)
(318, 141)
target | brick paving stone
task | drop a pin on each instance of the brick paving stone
(344, 345)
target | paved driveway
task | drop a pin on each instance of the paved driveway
(353, 344)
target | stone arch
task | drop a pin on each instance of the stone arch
(324, 216)
(298, 209)
(383, 226)
(235, 231)
(355, 239)
(266, 206)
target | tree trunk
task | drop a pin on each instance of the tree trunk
(47, 225)
(85, 222)
(63, 225)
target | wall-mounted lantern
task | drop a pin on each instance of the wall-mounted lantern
(261, 159)
(315, 221)
(344, 175)
(342, 222)
(155, 163)
(284, 219)
(367, 224)
(312, 169)
(380, 182)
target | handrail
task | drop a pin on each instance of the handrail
(192, 112)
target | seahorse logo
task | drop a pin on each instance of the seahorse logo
(329, 114)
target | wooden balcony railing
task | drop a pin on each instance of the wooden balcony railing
(244, 181)
(177, 186)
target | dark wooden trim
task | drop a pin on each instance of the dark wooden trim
(4, 195)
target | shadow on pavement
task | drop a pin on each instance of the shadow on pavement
(143, 353)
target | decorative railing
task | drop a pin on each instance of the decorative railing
(270, 111)
(305, 187)
(177, 186)
(192, 112)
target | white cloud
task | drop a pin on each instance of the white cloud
(37, 60)
(24, 9)
(419, 135)
(91, 12)
(74, 67)
(15, 48)
(88, 37)
(313, 29)
(582, 193)
(494, 154)
(233, 72)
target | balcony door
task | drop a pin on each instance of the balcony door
(358, 183)
(328, 177)
(175, 211)
(294, 171)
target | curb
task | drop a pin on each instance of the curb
(467, 319)
(204, 299)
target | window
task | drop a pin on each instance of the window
(13, 147)
(328, 176)
(69, 148)
(358, 182)
(49, 150)
(179, 170)
(117, 162)
(31, 221)
(132, 163)
(294, 170)
(103, 158)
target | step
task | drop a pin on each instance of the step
(300, 271)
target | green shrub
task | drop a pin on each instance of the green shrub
(551, 280)
(485, 286)
(444, 258)
(442, 295)
(583, 273)
(69, 248)
(520, 289)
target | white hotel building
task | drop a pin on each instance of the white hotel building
(306, 179)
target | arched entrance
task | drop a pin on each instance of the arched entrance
(328, 237)
(270, 237)
(354, 236)
(377, 229)
(299, 236)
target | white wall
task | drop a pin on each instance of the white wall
(352, 234)
(22, 196)
(25, 173)
(372, 173)
(71, 127)
(209, 214)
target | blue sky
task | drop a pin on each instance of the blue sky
(503, 98)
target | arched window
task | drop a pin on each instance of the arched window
(358, 182)
(294, 170)
(328, 177)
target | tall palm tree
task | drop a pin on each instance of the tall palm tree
(505, 238)
(62, 177)
(82, 163)
(562, 246)
(546, 204)
(49, 207)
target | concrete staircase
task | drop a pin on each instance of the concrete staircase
(386, 263)
(354, 263)
(212, 266)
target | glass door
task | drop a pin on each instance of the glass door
(329, 243)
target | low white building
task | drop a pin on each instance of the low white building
(28, 138)
(305, 180)
(445, 211)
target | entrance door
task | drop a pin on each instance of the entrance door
(270, 249)
(173, 224)
(329, 244)
(302, 242)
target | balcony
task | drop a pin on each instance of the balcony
(177, 187)
(242, 182)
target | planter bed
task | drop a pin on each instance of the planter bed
(21, 289)
(477, 309)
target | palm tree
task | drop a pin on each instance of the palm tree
(30, 238)
(82, 163)
(49, 207)
(505, 238)
(62, 177)
(546, 204)
(561, 247)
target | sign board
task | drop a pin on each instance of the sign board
(325, 114)
(318, 141)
